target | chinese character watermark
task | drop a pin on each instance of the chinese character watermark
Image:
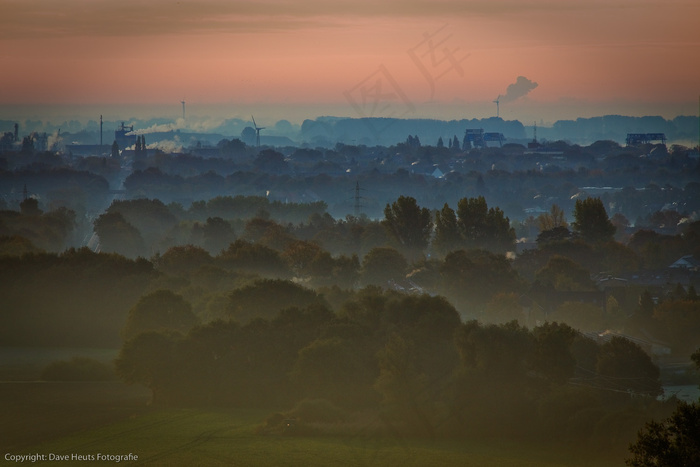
(435, 58)
(379, 96)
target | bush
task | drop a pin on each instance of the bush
(78, 369)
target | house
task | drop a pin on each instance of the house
(688, 262)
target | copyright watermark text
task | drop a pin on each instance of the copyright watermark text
(52, 457)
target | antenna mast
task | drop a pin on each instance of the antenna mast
(535, 136)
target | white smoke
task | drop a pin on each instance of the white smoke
(520, 88)
(157, 128)
(196, 125)
(167, 146)
(54, 141)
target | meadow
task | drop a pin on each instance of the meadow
(87, 419)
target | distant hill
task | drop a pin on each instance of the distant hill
(584, 131)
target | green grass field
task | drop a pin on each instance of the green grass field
(87, 418)
(228, 437)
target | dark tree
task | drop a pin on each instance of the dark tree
(475, 276)
(150, 359)
(157, 311)
(269, 160)
(408, 223)
(218, 234)
(554, 235)
(552, 219)
(455, 143)
(505, 350)
(183, 260)
(267, 297)
(30, 207)
(447, 236)
(553, 356)
(696, 359)
(591, 221)
(562, 273)
(627, 367)
(482, 227)
(673, 442)
(329, 369)
(254, 257)
(381, 265)
(119, 236)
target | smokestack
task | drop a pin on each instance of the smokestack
(100, 132)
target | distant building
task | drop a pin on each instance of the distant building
(85, 150)
(687, 262)
(477, 138)
(635, 139)
(124, 136)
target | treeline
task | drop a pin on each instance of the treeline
(463, 255)
(57, 186)
(31, 229)
(76, 298)
(652, 177)
(143, 227)
(410, 360)
(506, 177)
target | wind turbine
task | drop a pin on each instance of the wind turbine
(497, 101)
(257, 131)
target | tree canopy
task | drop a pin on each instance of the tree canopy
(592, 222)
(409, 224)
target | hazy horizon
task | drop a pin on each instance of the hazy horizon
(526, 111)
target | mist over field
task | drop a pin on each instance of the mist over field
(350, 233)
(480, 286)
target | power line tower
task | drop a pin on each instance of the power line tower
(357, 198)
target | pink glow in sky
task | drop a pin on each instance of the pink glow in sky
(441, 57)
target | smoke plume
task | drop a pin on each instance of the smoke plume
(520, 88)
(196, 125)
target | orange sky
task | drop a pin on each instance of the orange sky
(443, 59)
